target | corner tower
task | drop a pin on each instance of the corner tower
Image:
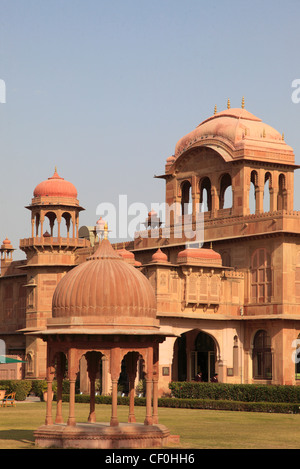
(50, 252)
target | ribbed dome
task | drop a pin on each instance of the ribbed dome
(55, 186)
(239, 129)
(107, 291)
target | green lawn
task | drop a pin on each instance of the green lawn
(203, 429)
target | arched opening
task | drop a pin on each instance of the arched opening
(252, 193)
(225, 198)
(281, 198)
(267, 187)
(37, 219)
(205, 195)
(204, 357)
(49, 224)
(186, 198)
(226, 258)
(262, 356)
(65, 227)
(194, 352)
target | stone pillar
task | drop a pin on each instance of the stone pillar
(50, 376)
(115, 367)
(149, 378)
(60, 370)
(155, 384)
(72, 380)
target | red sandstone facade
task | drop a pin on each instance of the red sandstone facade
(233, 304)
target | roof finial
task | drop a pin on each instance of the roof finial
(282, 137)
(243, 102)
(55, 169)
(228, 104)
(105, 231)
(215, 111)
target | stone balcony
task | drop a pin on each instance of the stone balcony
(51, 241)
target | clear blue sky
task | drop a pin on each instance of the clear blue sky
(105, 89)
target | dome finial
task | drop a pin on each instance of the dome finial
(243, 102)
(215, 110)
(282, 137)
(228, 103)
(105, 231)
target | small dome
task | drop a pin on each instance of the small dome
(55, 186)
(126, 255)
(105, 291)
(6, 244)
(199, 256)
(159, 256)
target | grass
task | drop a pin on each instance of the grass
(201, 429)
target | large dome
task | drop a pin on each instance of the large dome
(55, 186)
(106, 292)
(238, 131)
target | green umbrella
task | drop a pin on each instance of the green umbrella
(5, 359)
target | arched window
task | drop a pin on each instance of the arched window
(267, 187)
(252, 195)
(186, 198)
(262, 356)
(281, 198)
(225, 200)
(261, 276)
(49, 224)
(205, 195)
(226, 258)
(65, 227)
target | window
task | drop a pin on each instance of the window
(252, 194)
(205, 195)
(261, 276)
(262, 356)
(267, 188)
(281, 198)
(186, 198)
(225, 199)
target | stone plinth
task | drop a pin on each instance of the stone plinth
(103, 436)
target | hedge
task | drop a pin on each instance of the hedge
(236, 392)
(181, 403)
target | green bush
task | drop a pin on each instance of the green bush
(236, 392)
(21, 387)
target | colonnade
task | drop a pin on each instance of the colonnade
(56, 366)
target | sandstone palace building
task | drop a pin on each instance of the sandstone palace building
(232, 301)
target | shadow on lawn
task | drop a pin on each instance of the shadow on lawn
(23, 436)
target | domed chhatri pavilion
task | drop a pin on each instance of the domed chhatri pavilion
(103, 309)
